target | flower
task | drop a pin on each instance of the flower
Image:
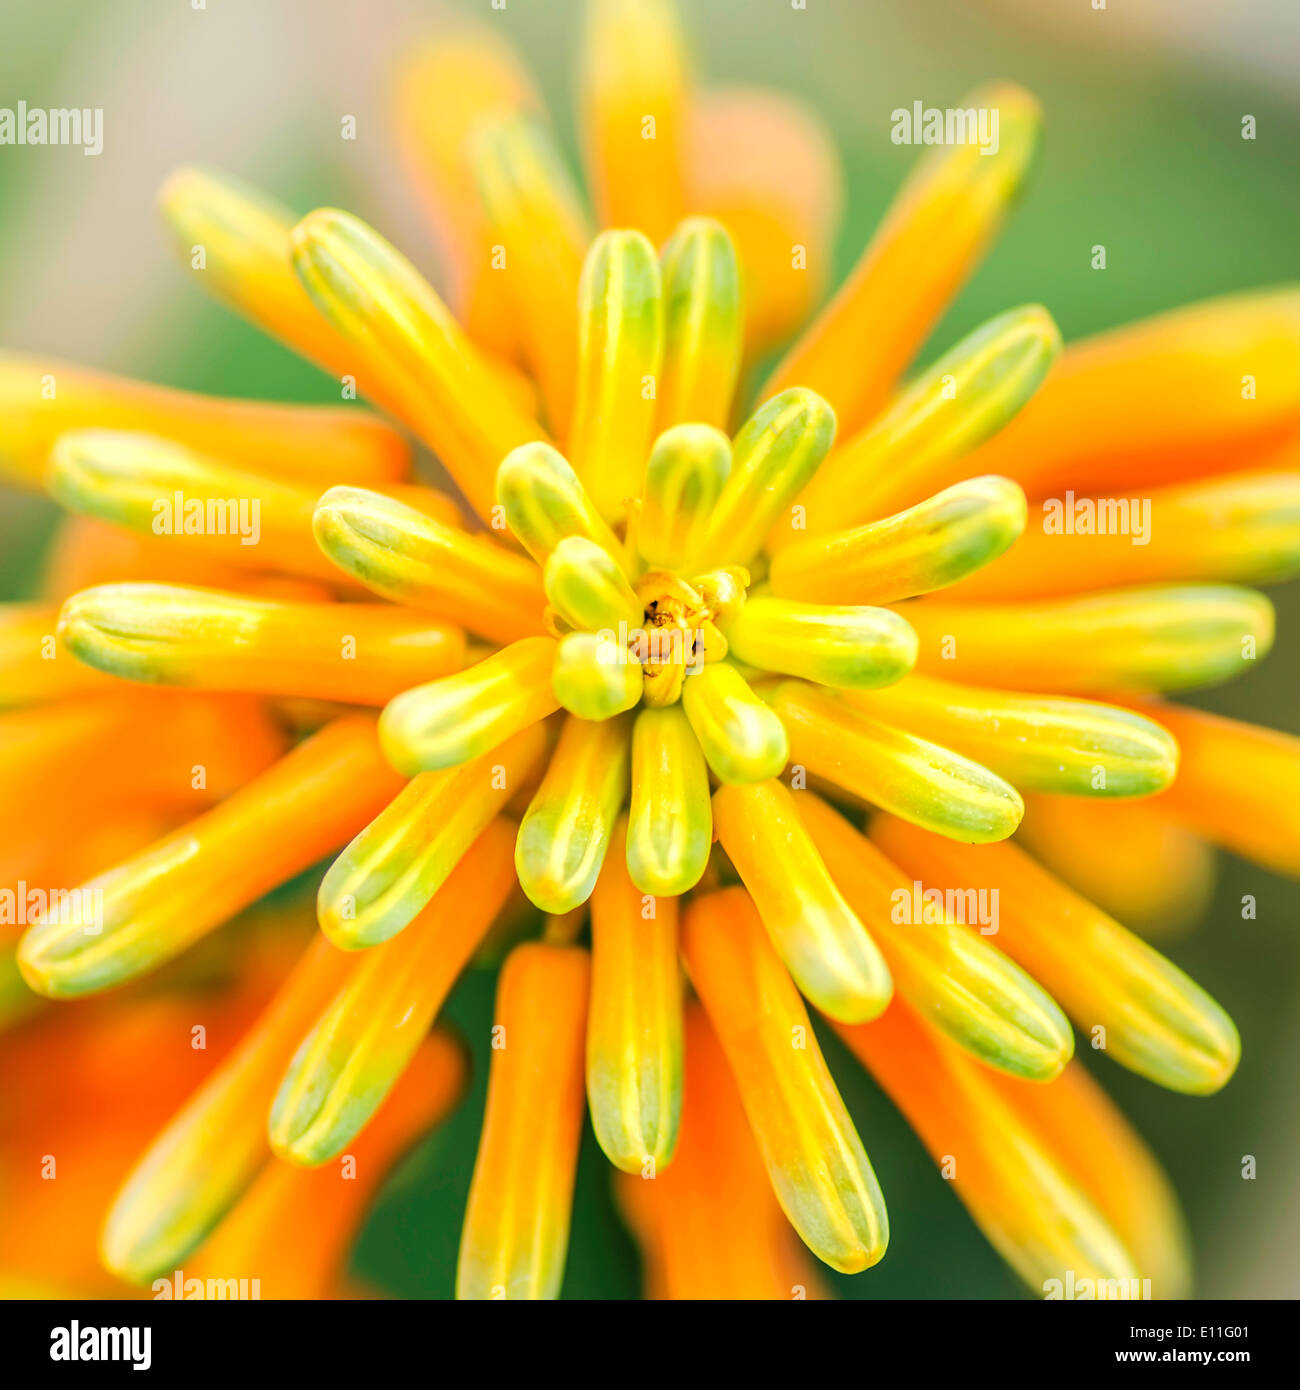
(730, 625)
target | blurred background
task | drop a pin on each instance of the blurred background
(1142, 152)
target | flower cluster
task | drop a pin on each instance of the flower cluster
(690, 622)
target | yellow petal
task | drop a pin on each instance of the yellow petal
(419, 560)
(620, 345)
(1038, 742)
(452, 720)
(741, 737)
(565, 833)
(927, 547)
(684, 478)
(825, 946)
(405, 334)
(388, 873)
(670, 826)
(539, 235)
(365, 1038)
(710, 1226)
(894, 770)
(190, 501)
(634, 1033)
(814, 1158)
(236, 243)
(167, 634)
(703, 325)
(595, 677)
(775, 454)
(543, 502)
(943, 962)
(588, 589)
(1169, 637)
(154, 906)
(1133, 1003)
(855, 648)
(920, 443)
(933, 236)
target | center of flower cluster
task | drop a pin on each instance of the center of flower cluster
(683, 627)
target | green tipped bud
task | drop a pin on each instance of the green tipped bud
(565, 832)
(917, 780)
(776, 453)
(1040, 743)
(927, 547)
(452, 720)
(595, 676)
(670, 825)
(855, 648)
(544, 501)
(742, 738)
(588, 589)
(684, 478)
(703, 326)
(620, 342)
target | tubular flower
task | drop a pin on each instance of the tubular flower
(673, 646)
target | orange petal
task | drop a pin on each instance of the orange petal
(934, 235)
(516, 1233)
(442, 90)
(1038, 1216)
(293, 1230)
(33, 668)
(634, 88)
(709, 1225)
(1235, 785)
(539, 237)
(1132, 858)
(766, 167)
(1158, 637)
(186, 1183)
(154, 906)
(165, 634)
(1198, 390)
(1095, 1144)
(1134, 1004)
(1241, 528)
(41, 398)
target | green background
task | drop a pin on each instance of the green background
(1142, 153)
